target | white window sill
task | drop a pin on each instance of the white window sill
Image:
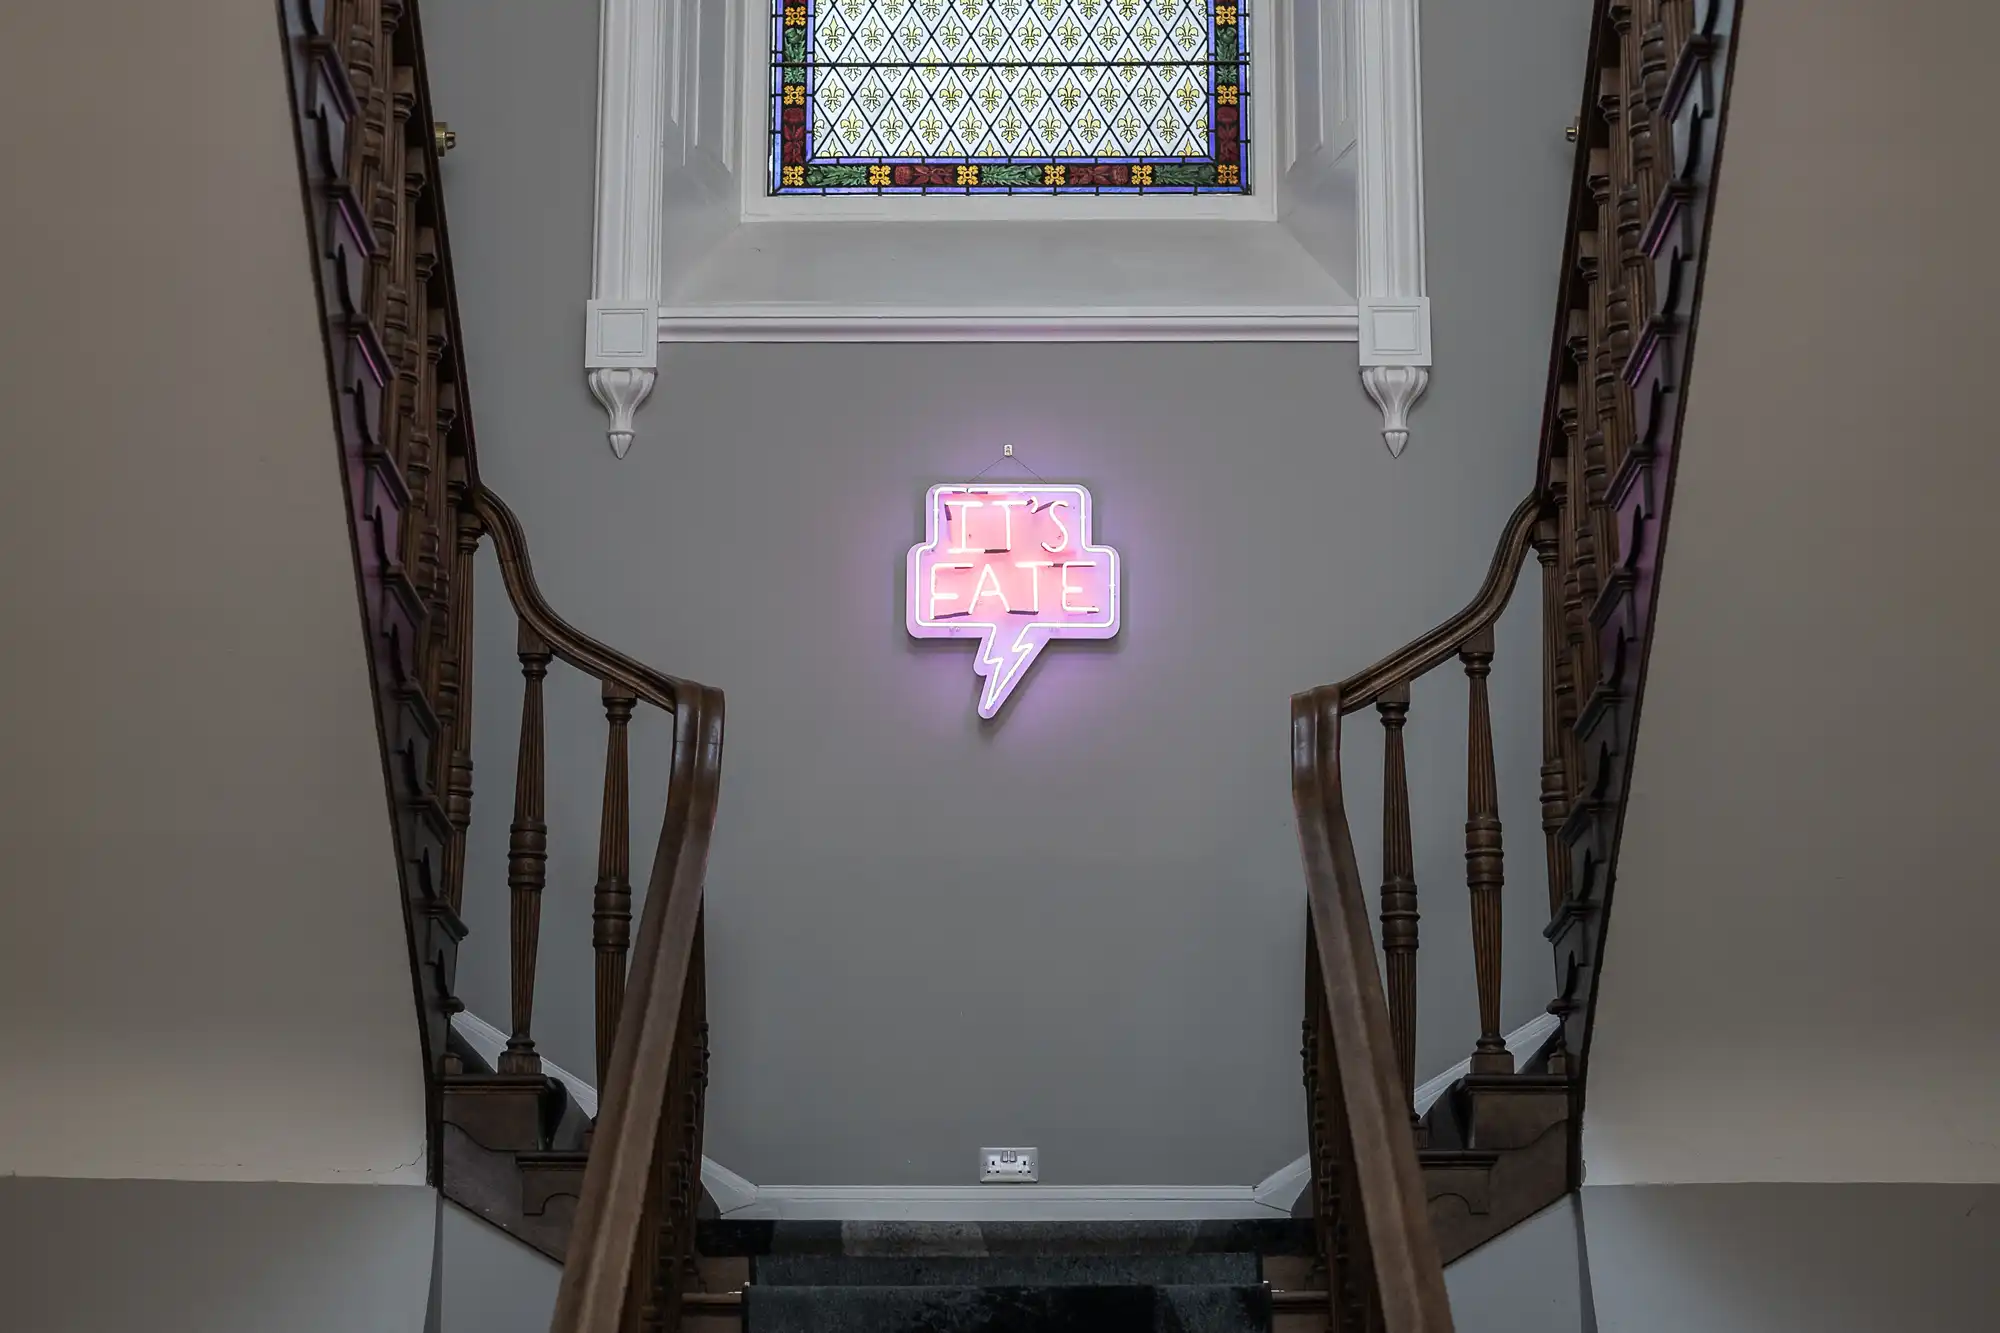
(1057, 281)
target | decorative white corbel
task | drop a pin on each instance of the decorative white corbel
(620, 390)
(621, 337)
(1395, 390)
(1395, 312)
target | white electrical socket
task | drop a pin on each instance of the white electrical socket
(1009, 1166)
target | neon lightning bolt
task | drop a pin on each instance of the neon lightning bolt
(1001, 669)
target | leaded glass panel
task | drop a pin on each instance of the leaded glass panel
(1010, 97)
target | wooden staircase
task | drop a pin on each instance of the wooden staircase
(616, 1200)
(1503, 1144)
(1392, 1199)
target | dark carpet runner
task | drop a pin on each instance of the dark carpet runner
(1023, 1278)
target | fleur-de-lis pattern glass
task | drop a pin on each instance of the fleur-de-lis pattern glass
(1010, 97)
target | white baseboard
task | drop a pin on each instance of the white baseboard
(1281, 1189)
(731, 1192)
(739, 1199)
(1003, 1203)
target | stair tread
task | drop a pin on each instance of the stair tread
(1267, 1236)
(1172, 1308)
(479, 1080)
(1004, 1270)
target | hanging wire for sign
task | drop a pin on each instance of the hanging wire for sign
(1006, 456)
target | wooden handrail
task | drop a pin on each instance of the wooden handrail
(1402, 1277)
(1419, 656)
(598, 1273)
(1371, 1210)
(593, 1295)
(570, 644)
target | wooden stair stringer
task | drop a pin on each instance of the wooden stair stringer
(1510, 1157)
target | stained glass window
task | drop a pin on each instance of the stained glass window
(885, 97)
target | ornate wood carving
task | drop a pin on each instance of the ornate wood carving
(1663, 70)
(341, 67)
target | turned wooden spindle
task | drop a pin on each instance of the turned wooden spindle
(1484, 873)
(1399, 884)
(1311, 1053)
(1555, 714)
(1349, 1282)
(458, 773)
(527, 858)
(611, 905)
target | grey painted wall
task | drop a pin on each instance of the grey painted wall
(1082, 928)
(172, 1256)
(1530, 1280)
(1793, 1258)
(492, 1283)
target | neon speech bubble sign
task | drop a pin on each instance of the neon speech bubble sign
(1014, 566)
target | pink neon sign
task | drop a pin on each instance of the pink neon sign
(1014, 566)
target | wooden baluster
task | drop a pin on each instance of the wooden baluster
(1645, 88)
(611, 906)
(1600, 423)
(1484, 869)
(1313, 1043)
(1347, 1291)
(1626, 260)
(698, 980)
(1677, 24)
(693, 1032)
(361, 40)
(1327, 1141)
(1556, 713)
(642, 1307)
(1399, 885)
(458, 777)
(527, 858)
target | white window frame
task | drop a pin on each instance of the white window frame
(682, 171)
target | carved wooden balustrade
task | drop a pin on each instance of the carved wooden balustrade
(370, 148)
(1391, 1203)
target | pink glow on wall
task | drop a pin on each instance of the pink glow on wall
(1013, 566)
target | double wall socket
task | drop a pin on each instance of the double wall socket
(1009, 1166)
